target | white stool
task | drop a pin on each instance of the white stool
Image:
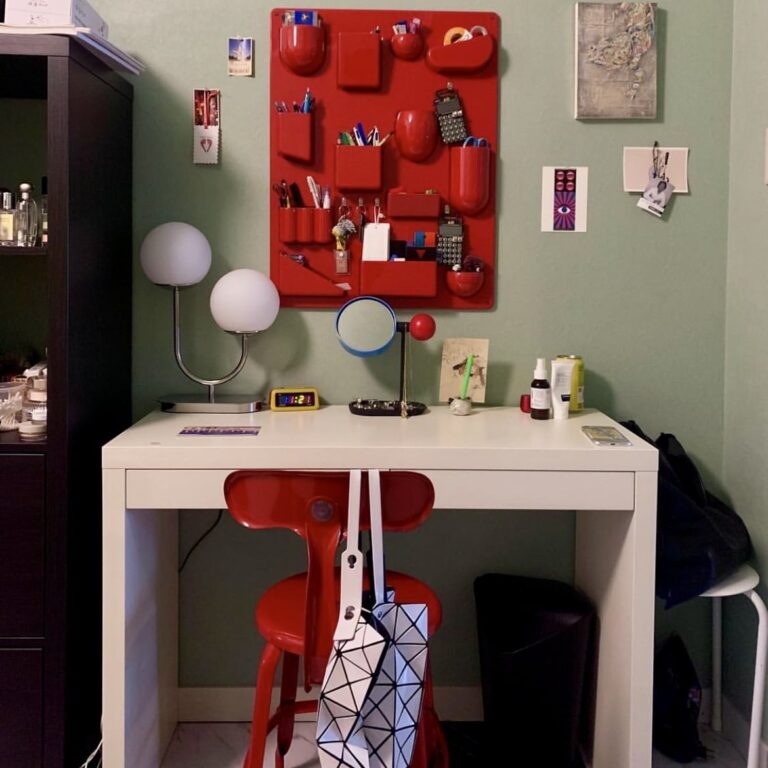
(742, 582)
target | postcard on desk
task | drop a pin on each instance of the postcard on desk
(220, 431)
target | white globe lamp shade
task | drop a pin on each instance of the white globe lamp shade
(175, 254)
(244, 301)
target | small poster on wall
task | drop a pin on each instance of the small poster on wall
(564, 198)
(615, 60)
(457, 355)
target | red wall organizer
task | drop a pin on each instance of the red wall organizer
(355, 74)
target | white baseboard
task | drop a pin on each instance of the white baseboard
(235, 705)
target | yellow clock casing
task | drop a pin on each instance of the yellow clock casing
(294, 399)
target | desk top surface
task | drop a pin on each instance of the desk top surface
(493, 438)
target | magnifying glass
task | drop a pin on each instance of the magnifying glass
(366, 326)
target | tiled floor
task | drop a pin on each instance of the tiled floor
(223, 745)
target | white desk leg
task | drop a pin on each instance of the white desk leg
(113, 612)
(615, 566)
(141, 631)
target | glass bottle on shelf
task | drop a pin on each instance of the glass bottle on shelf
(7, 219)
(26, 217)
(44, 211)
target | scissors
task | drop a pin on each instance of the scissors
(281, 190)
(474, 141)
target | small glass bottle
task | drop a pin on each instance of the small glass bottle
(26, 217)
(541, 394)
(44, 211)
(7, 219)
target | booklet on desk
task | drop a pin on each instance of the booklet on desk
(108, 52)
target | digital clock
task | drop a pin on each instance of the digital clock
(294, 399)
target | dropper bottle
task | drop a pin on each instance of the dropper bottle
(541, 394)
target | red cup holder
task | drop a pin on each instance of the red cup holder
(302, 47)
(407, 46)
(416, 133)
(464, 283)
(305, 229)
(470, 178)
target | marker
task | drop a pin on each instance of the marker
(467, 374)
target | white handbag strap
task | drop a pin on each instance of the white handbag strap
(377, 535)
(351, 565)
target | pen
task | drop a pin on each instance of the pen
(467, 374)
(384, 140)
(307, 101)
(357, 137)
(361, 133)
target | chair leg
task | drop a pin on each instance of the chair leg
(717, 663)
(761, 651)
(262, 700)
(289, 681)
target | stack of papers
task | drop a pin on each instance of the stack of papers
(107, 52)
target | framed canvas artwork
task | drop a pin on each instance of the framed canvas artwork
(615, 61)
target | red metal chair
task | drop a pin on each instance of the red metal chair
(297, 616)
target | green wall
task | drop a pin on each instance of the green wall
(643, 300)
(746, 364)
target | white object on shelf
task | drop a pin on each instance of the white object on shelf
(52, 13)
(107, 52)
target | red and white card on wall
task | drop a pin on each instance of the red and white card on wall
(564, 192)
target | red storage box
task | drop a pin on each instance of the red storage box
(302, 47)
(399, 278)
(412, 205)
(359, 60)
(358, 167)
(295, 136)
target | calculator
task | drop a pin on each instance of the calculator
(450, 240)
(450, 116)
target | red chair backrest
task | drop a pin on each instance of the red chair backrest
(314, 505)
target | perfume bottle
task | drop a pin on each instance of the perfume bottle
(44, 211)
(26, 217)
(7, 219)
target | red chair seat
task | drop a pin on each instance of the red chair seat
(281, 611)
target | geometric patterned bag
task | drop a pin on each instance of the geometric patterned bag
(357, 651)
(392, 709)
(372, 691)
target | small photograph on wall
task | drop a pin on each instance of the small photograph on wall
(615, 61)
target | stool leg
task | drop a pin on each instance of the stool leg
(288, 684)
(717, 664)
(758, 693)
(262, 700)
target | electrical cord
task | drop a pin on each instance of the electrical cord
(96, 751)
(200, 540)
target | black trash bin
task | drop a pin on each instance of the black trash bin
(535, 638)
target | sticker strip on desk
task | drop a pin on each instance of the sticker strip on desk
(220, 431)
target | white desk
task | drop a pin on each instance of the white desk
(496, 458)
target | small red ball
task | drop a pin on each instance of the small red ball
(422, 327)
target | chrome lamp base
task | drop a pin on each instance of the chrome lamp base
(220, 404)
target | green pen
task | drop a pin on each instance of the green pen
(467, 374)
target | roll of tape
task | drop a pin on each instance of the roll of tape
(478, 31)
(456, 35)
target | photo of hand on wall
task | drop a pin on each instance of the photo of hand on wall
(658, 192)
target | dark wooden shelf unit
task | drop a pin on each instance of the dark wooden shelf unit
(10, 250)
(50, 505)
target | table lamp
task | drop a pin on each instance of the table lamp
(243, 302)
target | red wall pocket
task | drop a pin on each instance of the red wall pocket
(370, 81)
